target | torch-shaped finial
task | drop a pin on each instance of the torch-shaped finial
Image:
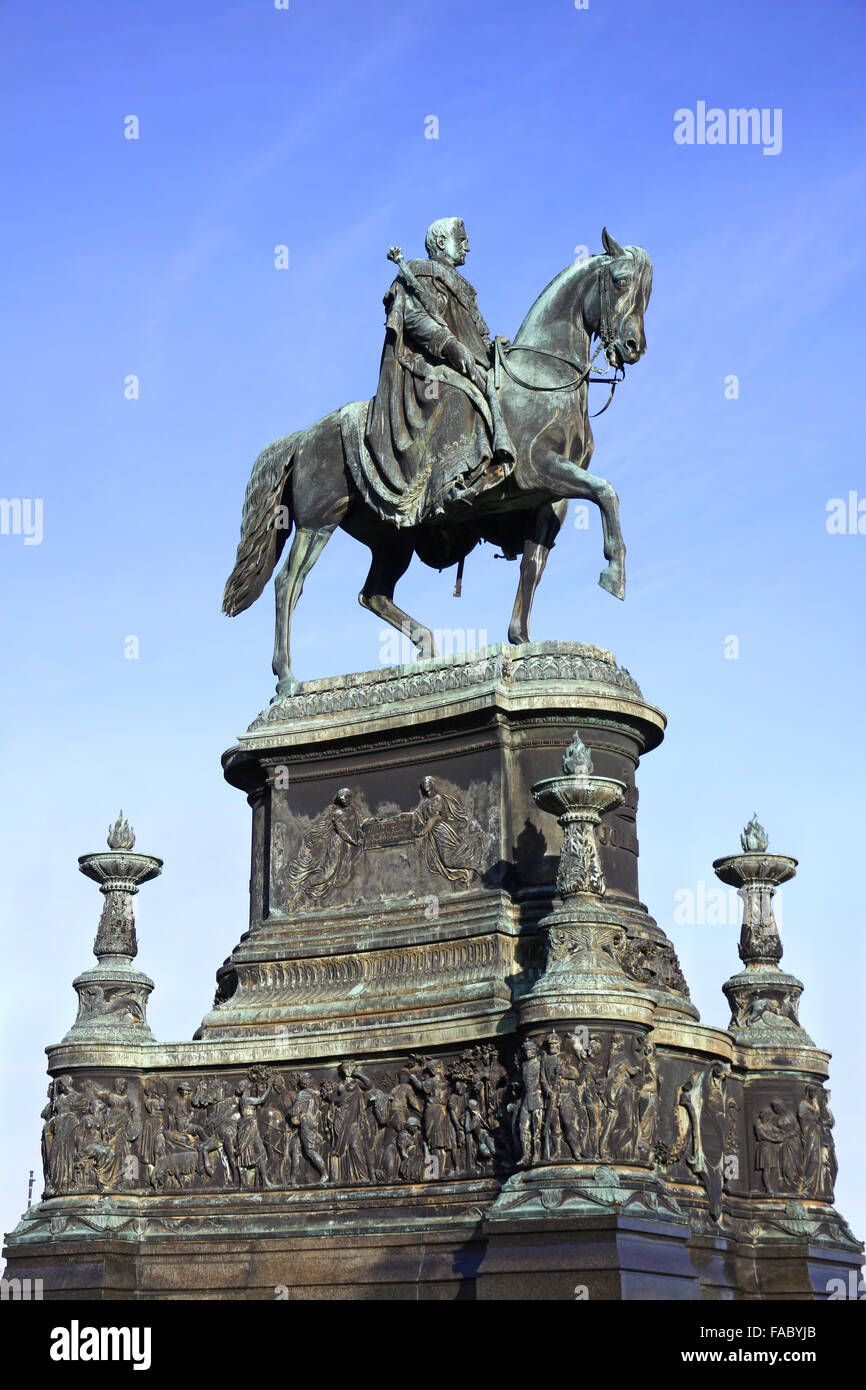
(756, 875)
(576, 759)
(119, 873)
(763, 998)
(121, 835)
(754, 838)
(112, 998)
(578, 799)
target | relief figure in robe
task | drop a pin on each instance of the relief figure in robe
(451, 840)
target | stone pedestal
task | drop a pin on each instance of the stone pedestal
(400, 864)
(452, 1055)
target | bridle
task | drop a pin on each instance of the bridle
(583, 372)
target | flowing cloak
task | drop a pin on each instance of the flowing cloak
(61, 1153)
(792, 1151)
(809, 1117)
(430, 437)
(327, 855)
(452, 842)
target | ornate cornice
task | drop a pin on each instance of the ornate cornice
(500, 666)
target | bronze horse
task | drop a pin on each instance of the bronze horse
(303, 479)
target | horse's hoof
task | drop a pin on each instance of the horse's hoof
(516, 637)
(614, 581)
(425, 644)
(287, 685)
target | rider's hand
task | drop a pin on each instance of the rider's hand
(459, 357)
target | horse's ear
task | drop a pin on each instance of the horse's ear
(612, 247)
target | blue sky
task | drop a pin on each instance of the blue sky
(155, 257)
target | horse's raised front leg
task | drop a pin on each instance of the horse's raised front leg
(535, 552)
(566, 479)
(612, 578)
(390, 560)
(307, 546)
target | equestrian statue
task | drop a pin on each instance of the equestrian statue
(467, 439)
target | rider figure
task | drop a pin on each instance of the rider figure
(457, 334)
(434, 427)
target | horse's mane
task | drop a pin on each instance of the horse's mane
(575, 268)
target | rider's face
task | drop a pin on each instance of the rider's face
(456, 246)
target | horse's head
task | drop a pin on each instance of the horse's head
(616, 307)
(604, 296)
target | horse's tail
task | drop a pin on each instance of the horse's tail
(265, 525)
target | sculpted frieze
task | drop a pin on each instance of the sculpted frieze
(593, 1097)
(653, 963)
(122, 1002)
(794, 1149)
(430, 1119)
(444, 836)
(586, 1099)
(702, 1122)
